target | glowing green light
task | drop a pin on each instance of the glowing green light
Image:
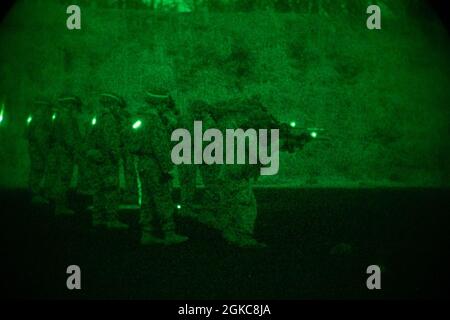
(137, 124)
(54, 117)
(29, 119)
(94, 121)
(313, 134)
(178, 206)
(2, 111)
(139, 183)
(292, 124)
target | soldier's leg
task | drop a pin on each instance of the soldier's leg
(130, 174)
(110, 175)
(162, 198)
(164, 205)
(51, 174)
(56, 180)
(145, 216)
(99, 202)
(84, 182)
(244, 219)
(211, 194)
(241, 216)
(222, 217)
(211, 181)
(146, 219)
(64, 176)
(36, 175)
(187, 175)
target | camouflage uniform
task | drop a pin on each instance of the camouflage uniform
(129, 169)
(65, 137)
(237, 211)
(85, 169)
(209, 173)
(238, 206)
(104, 155)
(38, 135)
(150, 144)
(187, 174)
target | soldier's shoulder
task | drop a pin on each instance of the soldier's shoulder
(152, 112)
(152, 116)
(106, 117)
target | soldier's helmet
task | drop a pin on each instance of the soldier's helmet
(111, 100)
(143, 109)
(70, 102)
(155, 96)
(161, 99)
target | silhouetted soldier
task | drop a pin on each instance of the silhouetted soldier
(130, 194)
(104, 155)
(39, 124)
(150, 144)
(66, 139)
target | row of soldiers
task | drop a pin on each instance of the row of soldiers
(140, 140)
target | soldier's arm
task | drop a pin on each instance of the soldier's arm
(111, 136)
(132, 145)
(159, 141)
(73, 137)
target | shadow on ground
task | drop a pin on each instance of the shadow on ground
(320, 244)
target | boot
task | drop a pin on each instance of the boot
(39, 200)
(208, 218)
(116, 225)
(98, 219)
(113, 222)
(242, 240)
(173, 238)
(148, 239)
(98, 222)
(63, 211)
(130, 198)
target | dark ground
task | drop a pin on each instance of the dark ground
(405, 231)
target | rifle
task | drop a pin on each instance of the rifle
(293, 138)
